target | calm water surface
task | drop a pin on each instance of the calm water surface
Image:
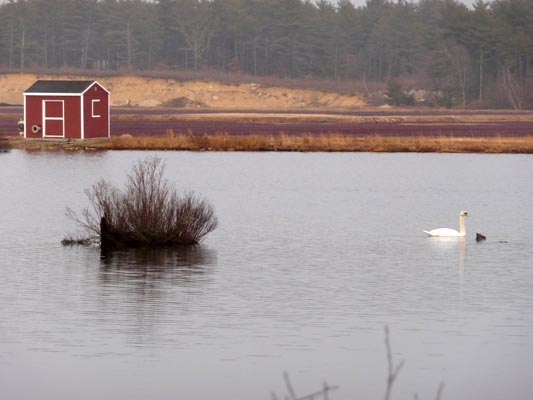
(314, 255)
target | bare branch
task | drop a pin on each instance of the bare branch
(392, 370)
(324, 392)
(439, 391)
(288, 383)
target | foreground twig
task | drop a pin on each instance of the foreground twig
(392, 374)
(439, 391)
(320, 394)
(392, 370)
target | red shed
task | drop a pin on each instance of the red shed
(66, 109)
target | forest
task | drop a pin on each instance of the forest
(468, 56)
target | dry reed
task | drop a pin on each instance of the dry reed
(323, 143)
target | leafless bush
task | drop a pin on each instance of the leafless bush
(148, 212)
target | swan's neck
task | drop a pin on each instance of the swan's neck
(462, 230)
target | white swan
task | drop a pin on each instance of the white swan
(447, 232)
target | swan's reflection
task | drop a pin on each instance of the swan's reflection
(451, 244)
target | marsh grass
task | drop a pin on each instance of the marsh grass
(325, 142)
(147, 212)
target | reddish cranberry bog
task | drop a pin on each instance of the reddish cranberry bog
(66, 110)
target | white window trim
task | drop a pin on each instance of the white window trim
(93, 115)
(62, 118)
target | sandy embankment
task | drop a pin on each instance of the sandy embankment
(152, 92)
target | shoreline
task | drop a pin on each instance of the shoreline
(283, 142)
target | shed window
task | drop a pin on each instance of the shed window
(93, 102)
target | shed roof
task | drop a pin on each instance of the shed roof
(59, 87)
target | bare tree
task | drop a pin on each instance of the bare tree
(511, 88)
(461, 65)
(197, 23)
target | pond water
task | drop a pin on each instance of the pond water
(315, 254)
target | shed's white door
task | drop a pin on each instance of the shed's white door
(53, 118)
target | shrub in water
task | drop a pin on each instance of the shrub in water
(148, 212)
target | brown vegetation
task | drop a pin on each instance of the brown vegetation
(325, 142)
(148, 212)
(334, 142)
(5, 144)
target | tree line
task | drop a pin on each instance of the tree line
(480, 54)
